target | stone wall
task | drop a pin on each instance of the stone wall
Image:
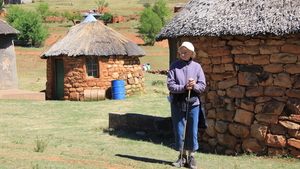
(253, 93)
(131, 122)
(110, 68)
(8, 65)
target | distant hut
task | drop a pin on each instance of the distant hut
(16, 1)
(178, 7)
(8, 67)
(88, 58)
(250, 53)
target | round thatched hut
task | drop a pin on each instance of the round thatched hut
(250, 53)
(8, 66)
(88, 59)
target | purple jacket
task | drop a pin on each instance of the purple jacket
(179, 73)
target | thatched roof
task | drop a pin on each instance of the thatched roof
(5, 28)
(95, 39)
(234, 17)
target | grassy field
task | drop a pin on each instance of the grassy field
(64, 134)
(76, 135)
(116, 7)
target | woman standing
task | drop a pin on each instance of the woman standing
(185, 77)
(148, 66)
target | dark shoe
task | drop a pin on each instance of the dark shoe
(180, 162)
(192, 162)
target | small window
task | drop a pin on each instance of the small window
(92, 67)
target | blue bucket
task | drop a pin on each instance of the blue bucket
(118, 89)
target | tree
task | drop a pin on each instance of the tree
(101, 3)
(29, 24)
(161, 9)
(1, 5)
(147, 5)
(106, 17)
(152, 19)
(43, 10)
(72, 16)
(150, 25)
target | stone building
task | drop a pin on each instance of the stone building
(17, 1)
(250, 53)
(88, 59)
(8, 65)
(178, 7)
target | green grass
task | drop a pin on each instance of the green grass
(157, 56)
(124, 7)
(75, 132)
(77, 136)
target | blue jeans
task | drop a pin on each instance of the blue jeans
(178, 120)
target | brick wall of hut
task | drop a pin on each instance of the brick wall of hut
(110, 68)
(252, 99)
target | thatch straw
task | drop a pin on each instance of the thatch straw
(234, 17)
(93, 38)
(5, 28)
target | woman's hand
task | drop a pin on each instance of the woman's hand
(190, 84)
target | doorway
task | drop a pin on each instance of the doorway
(59, 79)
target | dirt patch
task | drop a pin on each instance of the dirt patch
(55, 19)
(163, 43)
(122, 28)
(160, 53)
(138, 40)
(135, 38)
(53, 38)
(27, 53)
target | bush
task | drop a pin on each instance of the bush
(101, 3)
(150, 25)
(41, 145)
(106, 17)
(152, 19)
(1, 5)
(72, 16)
(158, 83)
(29, 24)
(43, 10)
(161, 9)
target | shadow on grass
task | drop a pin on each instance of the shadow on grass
(144, 159)
(157, 130)
(164, 138)
(19, 43)
(157, 137)
(66, 26)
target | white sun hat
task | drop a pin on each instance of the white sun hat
(189, 46)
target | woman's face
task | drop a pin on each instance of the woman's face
(185, 54)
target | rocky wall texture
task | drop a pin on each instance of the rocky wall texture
(110, 68)
(131, 122)
(253, 93)
(8, 65)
